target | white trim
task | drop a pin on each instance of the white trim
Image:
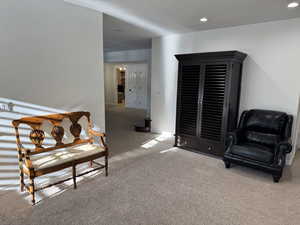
(295, 136)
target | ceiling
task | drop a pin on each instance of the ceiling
(140, 20)
(119, 35)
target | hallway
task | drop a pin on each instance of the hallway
(120, 122)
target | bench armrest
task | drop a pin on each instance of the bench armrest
(101, 135)
(96, 133)
(24, 156)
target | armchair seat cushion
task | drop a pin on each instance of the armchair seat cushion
(62, 156)
(253, 152)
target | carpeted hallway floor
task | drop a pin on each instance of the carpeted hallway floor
(160, 185)
(120, 122)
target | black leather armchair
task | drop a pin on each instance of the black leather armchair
(261, 141)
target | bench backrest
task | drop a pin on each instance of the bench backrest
(65, 128)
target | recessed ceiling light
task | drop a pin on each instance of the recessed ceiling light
(293, 4)
(203, 20)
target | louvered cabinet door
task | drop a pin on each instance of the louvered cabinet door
(188, 100)
(212, 110)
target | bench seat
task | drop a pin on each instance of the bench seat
(63, 156)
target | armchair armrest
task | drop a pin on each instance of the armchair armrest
(234, 137)
(281, 150)
(284, 147)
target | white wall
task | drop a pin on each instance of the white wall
(271, 71)
(52, 55)
(138, 55)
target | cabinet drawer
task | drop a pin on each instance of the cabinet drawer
(202, 145)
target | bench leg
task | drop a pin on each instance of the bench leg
(91, 163)
(32, 190)
(21, 180)
(106, 165)
(74, 176)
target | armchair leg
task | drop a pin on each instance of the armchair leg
(227, 164)
(276, 178)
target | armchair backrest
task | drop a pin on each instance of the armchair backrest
(266, 127)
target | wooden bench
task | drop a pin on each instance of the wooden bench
(71, 147)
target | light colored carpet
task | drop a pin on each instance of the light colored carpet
(120, 123)
(161, 185)
(173, 187)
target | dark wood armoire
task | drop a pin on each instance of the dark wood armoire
(208, 98)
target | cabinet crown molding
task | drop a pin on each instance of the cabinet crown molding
(206, 56)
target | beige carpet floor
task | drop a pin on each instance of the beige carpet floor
(155, 184)
(120, 122)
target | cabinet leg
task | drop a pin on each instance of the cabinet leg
(176, 141)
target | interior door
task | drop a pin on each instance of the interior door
(130, 84)
(136, 86)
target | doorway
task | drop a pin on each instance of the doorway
(127, 85)
(126, 95)
(121, 85)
